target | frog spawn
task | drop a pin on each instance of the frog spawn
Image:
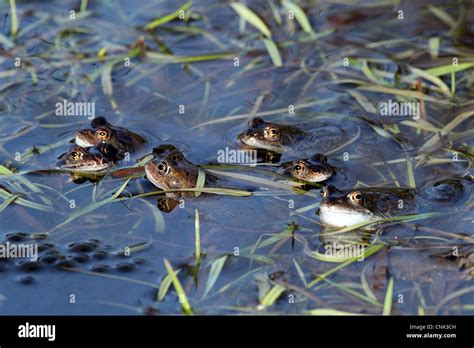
(92, 255)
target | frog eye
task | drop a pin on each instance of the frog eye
(355, 196)
(273, 132)
(76, 155)
(298, 167)
(163, 168)
(103, 134)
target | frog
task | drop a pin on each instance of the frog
(350, 136)
(313, 170)
(80, 159)
(172, 173)
(280, 138)
(170, 170)
(342, 208)
(119, 140)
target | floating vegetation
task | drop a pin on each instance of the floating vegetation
(393, 93)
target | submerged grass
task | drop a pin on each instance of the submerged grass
(91, 207)
(214, 272)
(165, 285)
(197, 227)
(251, 17)
(320, 85)
(15, 26)
(183, 299)
(168, 18)
(368, 252)
(387, 305)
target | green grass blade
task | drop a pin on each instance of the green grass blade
(461, 292)
(368, 252)
(9, 201)
(273, 52)
(160, 225)
(330, 258)
(365, 285)
(453, 83)
(83, 7)
(353, 292)
(21, 201)
(261, 181)
(5, 171)
(173, 59)
(300, 272)
(272, 296)
(213, 190)
(91, 207)
(433, 79)
(458, 119)
(442, 15)
(387, 305)
(214, 273)
(179, 288)
(410, 174)
(15, 24)
(106, 81)
(449, 68)
(198, 238)
(433, 45)
(165, 285)
(299, 15)
(275, 12)
(231, 117)
(201, 180)
(168, 18)
(250, 16)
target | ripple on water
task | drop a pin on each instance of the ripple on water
(117, 74)
(29, 87)
(61, 74)
(266, 97)
(7, 105)
(26, 280)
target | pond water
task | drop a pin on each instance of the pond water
(194, 82)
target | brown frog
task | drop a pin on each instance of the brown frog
(119, 140)
(341, 208)
(281, 138)
(171, 171)
(80, 159)
(313, 169)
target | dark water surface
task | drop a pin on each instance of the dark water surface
(250, 245)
